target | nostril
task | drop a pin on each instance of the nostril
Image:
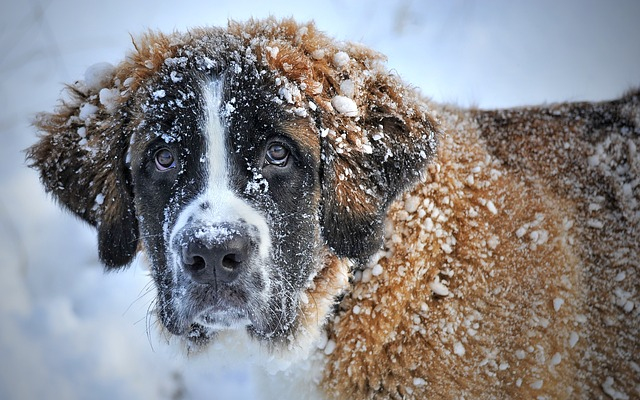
(231, 261)
(198, 264)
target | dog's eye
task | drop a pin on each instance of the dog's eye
(277, 155)
(164, 160)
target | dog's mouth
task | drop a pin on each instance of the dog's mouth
(211, 309)
(198, 314)
(215, 319)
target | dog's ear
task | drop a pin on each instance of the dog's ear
(369, 157)
(81, 157)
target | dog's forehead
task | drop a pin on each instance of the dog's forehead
(173, 105)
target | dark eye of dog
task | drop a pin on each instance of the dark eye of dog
(277, 155)
(164, 160)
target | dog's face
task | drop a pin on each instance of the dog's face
(243, 162)
(228, 186)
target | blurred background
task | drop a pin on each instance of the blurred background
(67, 331)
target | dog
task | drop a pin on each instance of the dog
(292, 194)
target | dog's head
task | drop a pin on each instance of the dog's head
(244, 162)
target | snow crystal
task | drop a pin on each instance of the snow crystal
(318, 54)
(537, 384)
(340, 59)
(98, 76)
(428, 225)
(82, 132)
(356, 309)
(175, 77)
(411, 204)
(376, 270)
(345, 106)
(366, 275)
(446, 248)
(594, 223)
(594, 207)
(521, 231)
(87, 111)
(439, 289)
(300, 111)
(100, 199)
(470, 180)
(607, 387)
(493, 242)
(159, 94)
(458, 349)
(557, 303)
(419, 382)
(573, 339)
(539, 236)
(556, 359)
(273, 51)
(492, 207)
(347, 88)
(330, 347)
(323, 339)
(109, 99)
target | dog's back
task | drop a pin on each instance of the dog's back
(587, 154)
(512, 270)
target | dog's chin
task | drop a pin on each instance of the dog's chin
(208, 325)
(217, 320)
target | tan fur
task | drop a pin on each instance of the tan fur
(524, 283)
(510, 270)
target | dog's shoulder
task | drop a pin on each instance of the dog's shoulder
(493, 265)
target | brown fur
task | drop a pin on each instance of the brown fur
(510, 263)
(534, 167)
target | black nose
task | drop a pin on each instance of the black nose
(215, 255)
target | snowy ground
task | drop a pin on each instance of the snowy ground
(69, 332)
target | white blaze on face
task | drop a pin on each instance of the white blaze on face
(223, 206)
(216, 143)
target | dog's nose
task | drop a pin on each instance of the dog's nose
(216, 255)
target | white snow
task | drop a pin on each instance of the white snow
(98, 76)
(419, 382)
(109, 99)
(330, 347)
(573, 339)
(69, 331)
(87, 111)
(458, 349)
(158, 94)
(492, 207)
(537, 384)
(345, 106)
(556, 359)
(341, 59)
(347, 88)
(607, 387)
(439, 289)
(557, 303)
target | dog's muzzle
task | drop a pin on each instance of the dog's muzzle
(215, 254)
